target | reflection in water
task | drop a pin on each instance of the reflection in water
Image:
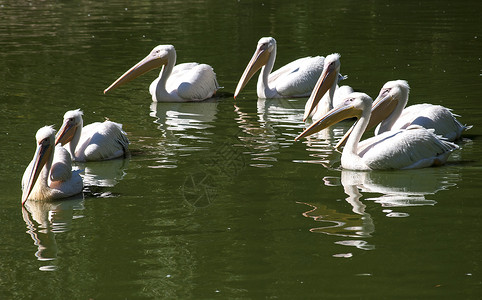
(322, 145)
(274, 125)
(99, 175)
(46, 219)
(183, 129)
(398, 189)
(104, 173)
(357, 226)
(182, 116)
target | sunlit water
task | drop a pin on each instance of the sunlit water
(216, 198)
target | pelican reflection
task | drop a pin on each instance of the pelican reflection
(183, 129)
(184, 116)
(45, 220)
(400, 188)
(104, 173)
(273, 125)
(357, 226)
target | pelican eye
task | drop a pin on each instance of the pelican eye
(349, 100)
(45, 141)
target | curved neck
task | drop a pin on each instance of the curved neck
(331, 92)
(264, 91)
(350, 159)
(75, 140)
(161, 92)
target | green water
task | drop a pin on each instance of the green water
(217, 201)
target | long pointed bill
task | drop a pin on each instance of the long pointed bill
(66, 133)
(334, 116)
(150, 62)
(40, 159)
(327, 79)
(382, 107)
(259, 59)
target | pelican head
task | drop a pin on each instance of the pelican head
(392, 98)
(264, 50)
(158, 57)
(393, 95)
(352, 106)
(72, 122)
(328, 78)
(45, 138)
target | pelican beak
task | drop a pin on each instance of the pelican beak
(152, 61)
(382, 107)
(337, 114)
(259, 59)
(66, 132)
(325, 82)
(42, 155)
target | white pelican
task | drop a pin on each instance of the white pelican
(414, 147)
(94, 142)
(49, 175)
(327, 82)
(182, 83)
(295, 79)
(389, 108)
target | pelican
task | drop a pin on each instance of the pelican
(295, 79)
(414, 147)
(49, 175)
(94, 142)
(327, 82)
(389, 110)
(182, 83)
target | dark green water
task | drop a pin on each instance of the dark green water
(217, 201)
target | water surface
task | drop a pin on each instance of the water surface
(217, 200)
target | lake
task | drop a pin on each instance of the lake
(216, 199)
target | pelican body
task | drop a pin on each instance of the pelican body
(414, 147)
(181, 83)
(94, 142)
(49, 175)
(295, 79)
(389, 113)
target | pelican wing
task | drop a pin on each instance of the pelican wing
(102, 141)
(414, 147)
(431, 116)
(193, 81)
(178, 75)
(297, 78)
